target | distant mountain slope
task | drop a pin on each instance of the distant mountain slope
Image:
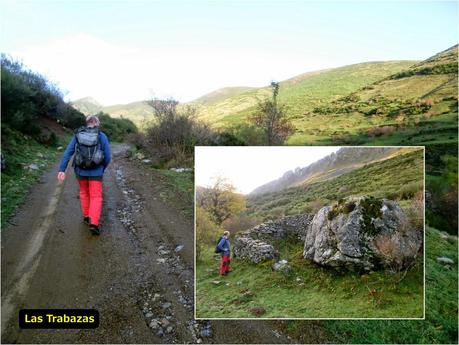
(396, 176)
(389, 102)
(230, 104)
(219, 95)
(87, 105)
(138, 112)
(336, 164)
(302, 92)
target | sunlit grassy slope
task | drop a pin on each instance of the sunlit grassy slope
(377, 103)
(301, 92)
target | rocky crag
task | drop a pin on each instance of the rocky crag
(257, 243)
(359, 234)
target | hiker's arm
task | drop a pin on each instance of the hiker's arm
(107, 153)
(69, 151)
(220, 245)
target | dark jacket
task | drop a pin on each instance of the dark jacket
(96, 171)
(224, 246)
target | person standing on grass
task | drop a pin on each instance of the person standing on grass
(224, 247)
(92, 156)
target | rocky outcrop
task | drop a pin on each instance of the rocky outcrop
(256, 243)
(288, 226)
(255, 250)
(359, 234)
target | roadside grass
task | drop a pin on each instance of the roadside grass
(181, 183)
(20, 152)
(174, 185)
(307, 291)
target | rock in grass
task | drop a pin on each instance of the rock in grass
(258, 311)
(445, 260)
(255, 250)
(281, 265)
(360, 234)
(32, 166)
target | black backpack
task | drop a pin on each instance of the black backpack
(88, 151)
(218, 250)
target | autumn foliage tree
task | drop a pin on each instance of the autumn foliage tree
(272, 120)
(221, 200)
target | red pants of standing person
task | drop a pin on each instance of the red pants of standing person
(91, 199)
(224, 264)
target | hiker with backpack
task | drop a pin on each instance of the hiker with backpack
(223, 247)
(92, 156)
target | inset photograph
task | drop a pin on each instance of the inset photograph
(309, 232)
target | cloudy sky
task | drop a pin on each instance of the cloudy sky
(124, 51)
(251, 166)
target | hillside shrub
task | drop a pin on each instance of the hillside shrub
(207, 231)
(117, 129)
(174, 133)
(449, 68)
(27, 96)
(239, 222)
(380, 130)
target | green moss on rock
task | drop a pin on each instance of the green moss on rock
(342, 207)
(371, 209)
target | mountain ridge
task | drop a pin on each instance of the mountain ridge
(343, 161)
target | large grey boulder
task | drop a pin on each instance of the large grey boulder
(361, 233)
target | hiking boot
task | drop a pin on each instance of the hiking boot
(95, 229)
(86, 220)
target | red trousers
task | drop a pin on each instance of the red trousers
(224, 264)
(91, 199)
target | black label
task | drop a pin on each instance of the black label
(58, 318)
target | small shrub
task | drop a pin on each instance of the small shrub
(175, 133)
(239, 222)
(379, 131)
(387, 247)
(207, 232)
(415, 211)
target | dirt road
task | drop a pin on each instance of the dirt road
(138, 274)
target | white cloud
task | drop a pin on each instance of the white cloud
(84, 65)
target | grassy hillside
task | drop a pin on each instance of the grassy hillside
(140, 113)
(230, 105)
(399, 177)
(377, 103)
(302, 92)
(307, 291)
(341, 162)
(219, 95)
(417, 105)
(439, 326)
